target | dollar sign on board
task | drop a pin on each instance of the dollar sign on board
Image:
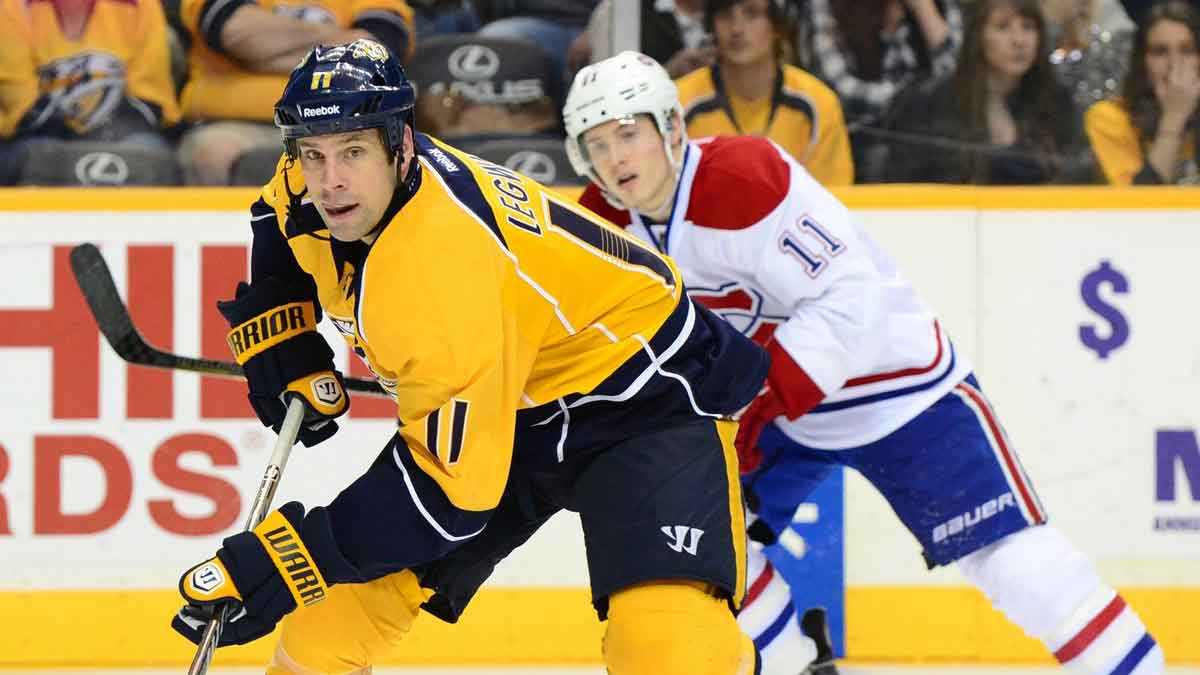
(1118, 331)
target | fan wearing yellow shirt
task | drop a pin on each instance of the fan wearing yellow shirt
(751, 90)
(1151, 134)
(540, 359)
(242, 52)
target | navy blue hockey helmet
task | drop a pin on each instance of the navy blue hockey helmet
(359, 85)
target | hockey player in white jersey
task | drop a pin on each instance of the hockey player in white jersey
(862, 374)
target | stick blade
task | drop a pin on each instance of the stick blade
(96, 283)
(112, 316)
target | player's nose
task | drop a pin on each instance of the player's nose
(333, 176)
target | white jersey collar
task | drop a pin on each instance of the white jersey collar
(679, 207)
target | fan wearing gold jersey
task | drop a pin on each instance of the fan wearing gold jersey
(242, 52)
(80, 78)
(540, 359)
(751, 90)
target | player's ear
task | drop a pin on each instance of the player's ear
(675, 128)
(409, 144)
(405, 155)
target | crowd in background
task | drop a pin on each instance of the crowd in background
(170, 92)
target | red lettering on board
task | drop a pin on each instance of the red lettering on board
(4, 527)
(226, 501)
(221, 268)
(148, 391)
(68, 329)
(48, 455)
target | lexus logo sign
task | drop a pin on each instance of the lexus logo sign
(473, 62)
(101, 168)
(536, 165)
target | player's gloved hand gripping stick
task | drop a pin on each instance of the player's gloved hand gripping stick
(274, 338)
(209, 588)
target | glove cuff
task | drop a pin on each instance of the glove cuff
(271, 328)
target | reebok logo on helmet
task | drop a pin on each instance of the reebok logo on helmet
(322, 110)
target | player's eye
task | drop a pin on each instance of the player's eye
(311, 155)
(354, 152)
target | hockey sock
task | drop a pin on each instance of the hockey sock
(356, 626)
(768, 617)
(1049, 589)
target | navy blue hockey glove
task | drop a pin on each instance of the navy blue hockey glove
(275, 340)
(260, 575)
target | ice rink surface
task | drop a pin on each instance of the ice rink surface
(846, 669)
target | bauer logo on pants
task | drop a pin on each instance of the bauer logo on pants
(206, 578)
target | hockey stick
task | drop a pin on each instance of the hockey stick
(112, 316)
(258, 511)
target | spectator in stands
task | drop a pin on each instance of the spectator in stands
(1000, 118)
(1088, 56)
(241, 54)
(868, 50)
(85, 93)
(671, 32)
(751, 90)
(551, 24)
(1150, 134)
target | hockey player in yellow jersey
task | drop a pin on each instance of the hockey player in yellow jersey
(540, 360)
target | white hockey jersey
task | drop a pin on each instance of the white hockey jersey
(760, 242)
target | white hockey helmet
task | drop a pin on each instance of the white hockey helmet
(616, 88)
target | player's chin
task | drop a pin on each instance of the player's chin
(627, 191)
(345, 231)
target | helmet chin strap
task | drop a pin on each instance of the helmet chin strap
(676, 170)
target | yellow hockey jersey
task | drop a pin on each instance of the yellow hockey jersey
(504, 319)
(802, 115)
(121, 53)
(219, 87)
(1121, 151)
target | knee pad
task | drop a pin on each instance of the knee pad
(674, 628)
(356, 626)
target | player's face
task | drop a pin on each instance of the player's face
(1169, 44)
(629, 156)
(744, 33)
(350, 179)
(1010, 42)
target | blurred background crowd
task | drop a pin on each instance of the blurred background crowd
(180, 92)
